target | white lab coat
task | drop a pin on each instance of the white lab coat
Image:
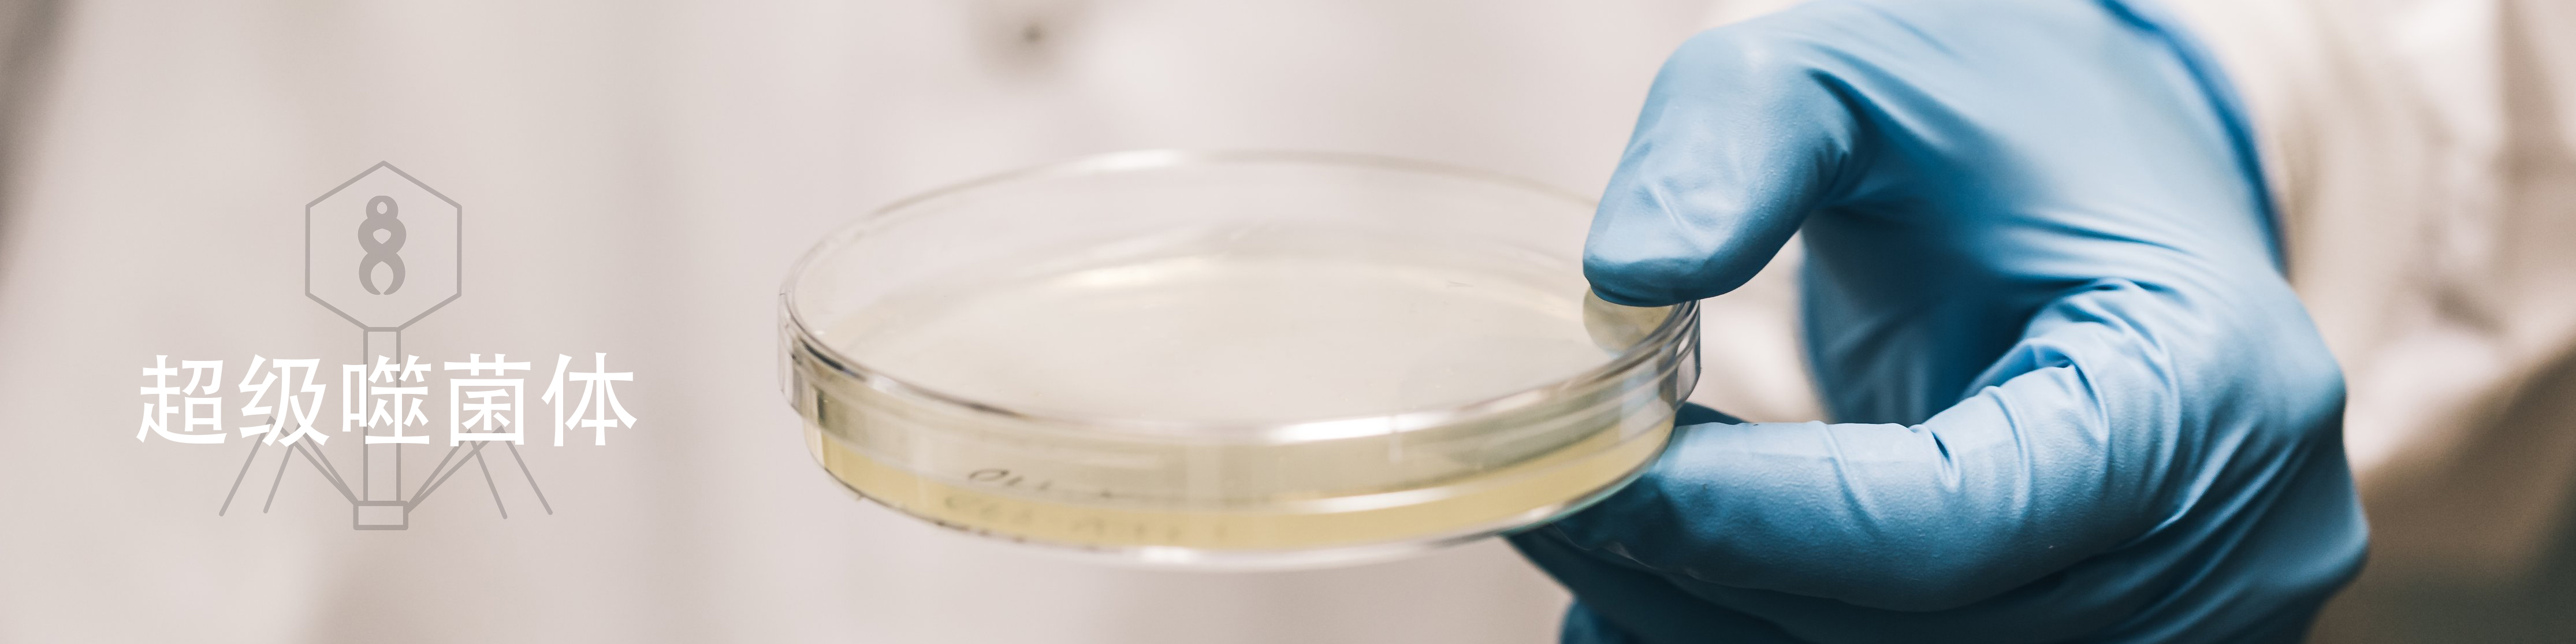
(2425, 155)
(636, 177)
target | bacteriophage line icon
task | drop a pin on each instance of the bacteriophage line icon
(407, 258)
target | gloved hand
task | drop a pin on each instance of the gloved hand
(2080, 401)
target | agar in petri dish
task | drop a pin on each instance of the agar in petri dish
(1229, 359)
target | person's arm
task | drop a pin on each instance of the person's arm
(2078, 400)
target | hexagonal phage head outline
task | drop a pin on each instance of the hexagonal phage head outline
(459, 211)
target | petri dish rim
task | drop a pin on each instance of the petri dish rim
(809, 344)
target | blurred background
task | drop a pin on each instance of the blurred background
(637, 176)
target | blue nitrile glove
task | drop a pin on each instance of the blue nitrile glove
(2080, 403)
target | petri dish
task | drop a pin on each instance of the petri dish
(1228, 359)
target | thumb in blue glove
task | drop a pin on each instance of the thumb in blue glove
(2081, 402)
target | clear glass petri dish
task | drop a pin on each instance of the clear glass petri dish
(1228, 359)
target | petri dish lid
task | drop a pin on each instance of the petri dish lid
(1222, 296)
